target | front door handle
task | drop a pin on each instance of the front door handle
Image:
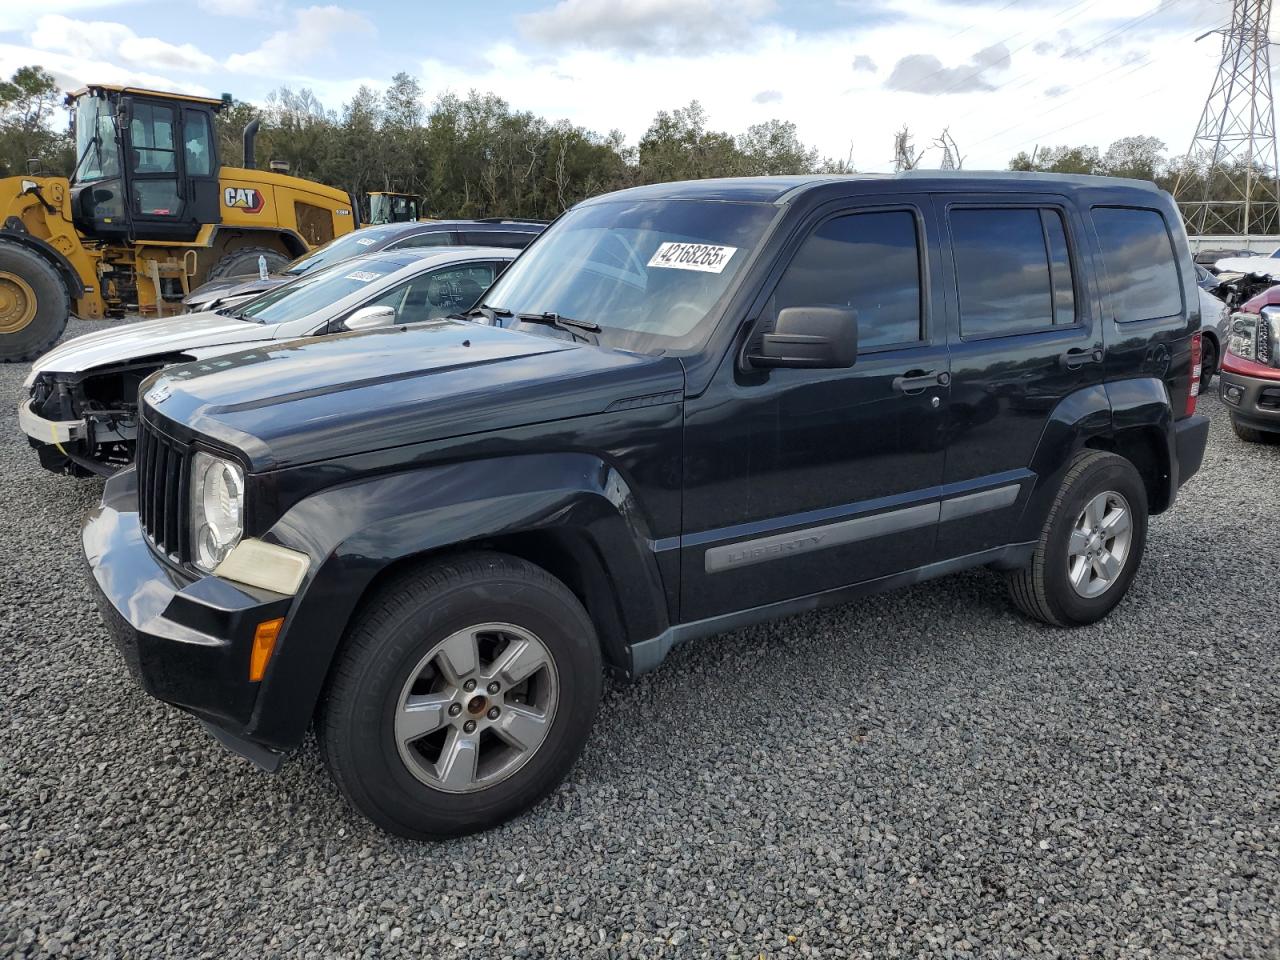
(917, 381)
(1077, 357)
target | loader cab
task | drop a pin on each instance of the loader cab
(393, 207)
(146, 164)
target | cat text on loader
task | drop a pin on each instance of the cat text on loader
(148, 213)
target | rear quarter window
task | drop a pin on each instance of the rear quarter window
(498, 238)
(1142, 268)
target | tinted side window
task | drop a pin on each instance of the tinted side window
(437, 294)
(151, 135)
(1013, 270)
(197, 143)
(1140, 261)
(498, 238)
(867, 261)
(440, 238)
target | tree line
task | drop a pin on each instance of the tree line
(475, 155)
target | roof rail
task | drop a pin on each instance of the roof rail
(510, 220)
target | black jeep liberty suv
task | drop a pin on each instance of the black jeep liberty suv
(685, 408)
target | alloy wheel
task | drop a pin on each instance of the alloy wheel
(476, 708)
(1099, 544)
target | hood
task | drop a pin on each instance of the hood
(149, 338)
(1261, 266)
(217, 292)
(289, 402)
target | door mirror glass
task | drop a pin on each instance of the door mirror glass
(817, 337)
(367, 318)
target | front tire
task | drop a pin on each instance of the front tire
(464, 692)
(34, 304)
(1252, 435)
(1090, 546)
(1209, 359)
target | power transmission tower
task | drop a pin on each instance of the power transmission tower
(1228, 183)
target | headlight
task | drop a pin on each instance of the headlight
(1243, 338)
(1254, 337)
(217, 508)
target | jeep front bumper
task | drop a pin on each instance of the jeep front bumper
(187, 640)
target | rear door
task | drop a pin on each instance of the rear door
(1024, 333)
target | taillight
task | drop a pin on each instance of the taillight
(1194, 392)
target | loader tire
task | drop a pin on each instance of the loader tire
(244, 263)
(34, 304)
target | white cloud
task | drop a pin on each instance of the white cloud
(637, 26)
(834, 105)
(99, 39)
(315, 34)
(72, 71)
(15, 16)
(245, 9)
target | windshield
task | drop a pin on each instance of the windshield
(391, 208)
(351, 244)
(306, 295)
(649, 272)
(95, 140)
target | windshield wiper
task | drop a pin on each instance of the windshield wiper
(574, 328)
(489, 313)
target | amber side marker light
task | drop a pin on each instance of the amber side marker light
(264, 642)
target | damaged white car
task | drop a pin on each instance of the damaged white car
(80, 413)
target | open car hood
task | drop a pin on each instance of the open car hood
(149, 338)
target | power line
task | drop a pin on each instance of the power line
(964, 30)
(1013, 36)
(1097, 42)
(1067, 101)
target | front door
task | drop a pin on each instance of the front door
(800, 481)
(170, 164)
(1024, 335)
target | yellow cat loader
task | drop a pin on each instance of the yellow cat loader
(148, 213)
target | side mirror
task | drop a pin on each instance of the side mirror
(813, 337)
(366, 318)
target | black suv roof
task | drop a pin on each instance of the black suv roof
(785, 188)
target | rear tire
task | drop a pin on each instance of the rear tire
(34, 304)
(244, 263)
(1250, 435)
(1050, 589)
(424, 658)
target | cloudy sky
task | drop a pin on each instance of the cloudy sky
(1004, 75)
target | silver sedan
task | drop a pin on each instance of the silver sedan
(81, 405)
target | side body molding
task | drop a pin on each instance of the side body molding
(354, 532)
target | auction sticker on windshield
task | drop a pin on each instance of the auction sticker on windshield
(705, 257)
(364, 276)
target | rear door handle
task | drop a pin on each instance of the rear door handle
(1077, 357)
(918, 381)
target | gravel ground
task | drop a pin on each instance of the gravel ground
(920, 774)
